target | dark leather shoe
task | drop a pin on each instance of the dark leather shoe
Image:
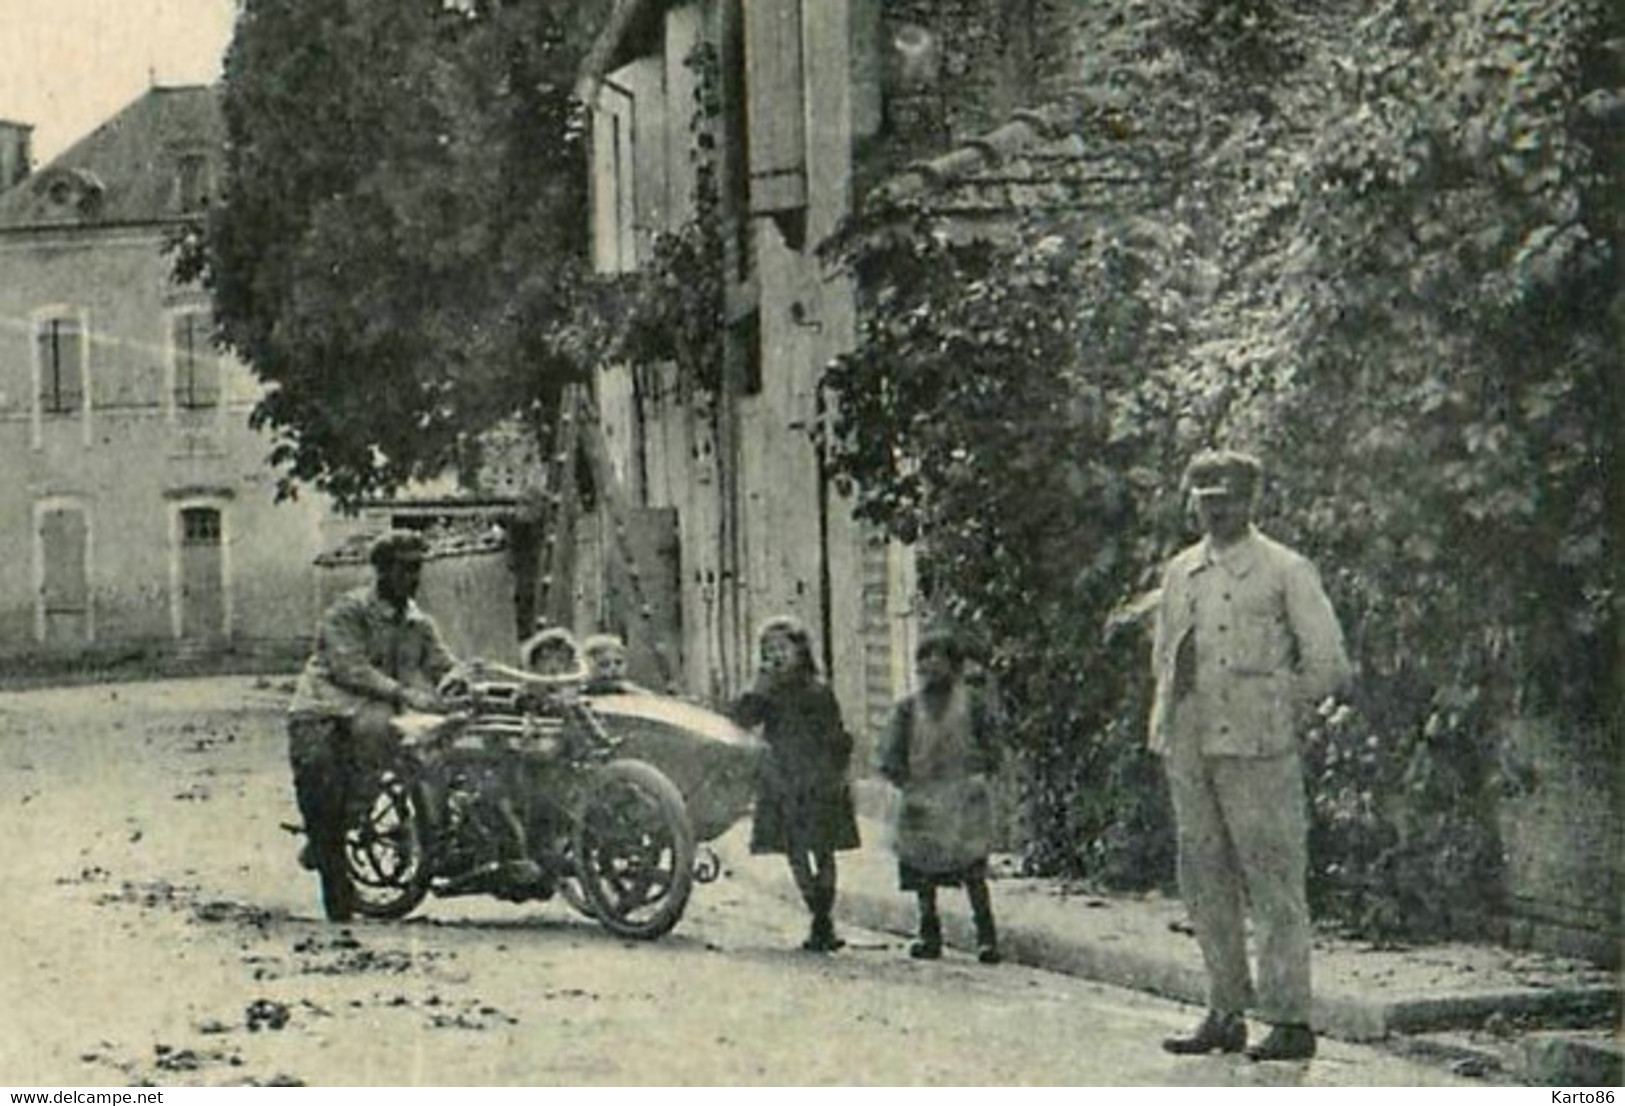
(989, 954)
(823, 942)
(1218, 1033)
(1285, 1042)
(925, 950)
(822, 936)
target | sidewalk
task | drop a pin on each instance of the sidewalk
(1142, 942)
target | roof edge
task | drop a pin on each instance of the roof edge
(1026, 129)
(609, 44)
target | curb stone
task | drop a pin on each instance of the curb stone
(1175, 972)
(1568, 1060)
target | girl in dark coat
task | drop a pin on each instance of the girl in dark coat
(803, 803)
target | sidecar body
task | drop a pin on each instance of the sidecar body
(710, 759)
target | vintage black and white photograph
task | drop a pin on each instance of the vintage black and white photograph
(730, 543)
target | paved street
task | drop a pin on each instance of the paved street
(162, 933)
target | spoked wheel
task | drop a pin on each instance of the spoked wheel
(634, 850)
(386, 846)
(570, 887)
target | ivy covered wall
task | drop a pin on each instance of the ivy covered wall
(1380, 252)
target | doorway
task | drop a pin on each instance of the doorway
(202, 575)
(64, 543)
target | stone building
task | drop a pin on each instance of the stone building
(753, 527)
(138, 512)
(810, 106)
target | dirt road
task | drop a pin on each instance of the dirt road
(162, 933)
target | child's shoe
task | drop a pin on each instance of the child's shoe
(822, 936)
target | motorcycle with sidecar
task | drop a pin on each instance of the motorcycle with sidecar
(531, 788)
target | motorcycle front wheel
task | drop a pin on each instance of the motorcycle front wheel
(386, 845)
(634, 849)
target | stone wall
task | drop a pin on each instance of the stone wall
(956, 69)
(470, 596)
(1559, 823)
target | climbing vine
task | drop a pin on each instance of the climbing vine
(671, 308)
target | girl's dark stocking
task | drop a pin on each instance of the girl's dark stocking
(929, 946)
(814, 874)
(802, 872)
(981, 905)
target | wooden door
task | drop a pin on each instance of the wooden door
(64, 586)
(203, 608)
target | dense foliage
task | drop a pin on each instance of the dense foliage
(401, 249)
(1382, 258)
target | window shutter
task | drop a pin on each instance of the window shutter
(775, 107)
(45, 339)
(191, 182)
(62, 538)
(180, 339)
(61, 364)
(205, 380)
(197, 370)
(73, 367)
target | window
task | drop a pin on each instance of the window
(191, 182)
(197, 370)
(60, 348)
(745, 343)
(200, 526)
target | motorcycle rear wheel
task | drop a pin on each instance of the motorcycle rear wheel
(387, 845)
(634, 850)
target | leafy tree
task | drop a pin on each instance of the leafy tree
(400, 254)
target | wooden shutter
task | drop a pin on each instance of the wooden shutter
(197, 370)
(775, 105)
(614, 244)
(64, 587)
(61, 365)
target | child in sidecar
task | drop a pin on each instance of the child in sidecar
(552, 652)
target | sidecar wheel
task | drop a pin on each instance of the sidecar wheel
(386, 846)
(634, 850)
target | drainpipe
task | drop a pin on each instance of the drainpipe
(826, 586)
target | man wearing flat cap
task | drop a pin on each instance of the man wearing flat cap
(1245, 644)
(376, 655)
